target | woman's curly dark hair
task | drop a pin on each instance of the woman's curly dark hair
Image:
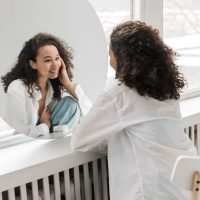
(23, 71)
(144, 62)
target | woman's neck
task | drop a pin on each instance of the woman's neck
(43, 83)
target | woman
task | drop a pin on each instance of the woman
(40, 92)
(138, 118)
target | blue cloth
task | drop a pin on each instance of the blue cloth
(65, 112)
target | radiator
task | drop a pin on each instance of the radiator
(192, 129)
(58, 173)
(87, 181)
(45, 170)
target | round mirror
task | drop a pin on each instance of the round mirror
(74, 21)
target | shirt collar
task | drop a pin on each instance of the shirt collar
(37, 94)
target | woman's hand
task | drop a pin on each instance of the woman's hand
(45, 117)
(64, 79)
(63, 75)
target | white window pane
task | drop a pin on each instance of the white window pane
(111, 13)
(181, 31)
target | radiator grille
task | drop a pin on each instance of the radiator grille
(84, 182)
(88, 181)
(193, 133)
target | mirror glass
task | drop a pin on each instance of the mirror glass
(74, 21)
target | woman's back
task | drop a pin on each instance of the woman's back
(138, 118)
(147, 147)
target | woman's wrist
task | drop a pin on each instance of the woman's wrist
(70, 87)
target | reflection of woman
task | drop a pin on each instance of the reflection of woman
(40, 94)
(138, 118)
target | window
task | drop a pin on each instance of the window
(110, 14)
(178, 21)
(181, 31)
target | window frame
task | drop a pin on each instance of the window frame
(151, 12)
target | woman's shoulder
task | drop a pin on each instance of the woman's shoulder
(16, 85)
(115, 92)
(112, 86)
(115, 88)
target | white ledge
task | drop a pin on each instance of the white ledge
(190, 106)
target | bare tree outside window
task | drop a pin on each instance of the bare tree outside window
(182, 32)
(111, 13)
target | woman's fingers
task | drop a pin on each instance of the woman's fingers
(63, 66)
(63, 77)
(47, 110)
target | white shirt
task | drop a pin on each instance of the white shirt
(144, 136)
(22, 110)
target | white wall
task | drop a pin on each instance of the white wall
(75, 21)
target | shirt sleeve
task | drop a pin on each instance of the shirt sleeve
(101, 122)
(17, 115)
(84, 101)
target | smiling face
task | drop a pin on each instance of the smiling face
(48, 62)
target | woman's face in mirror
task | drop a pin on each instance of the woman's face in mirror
(48, 62)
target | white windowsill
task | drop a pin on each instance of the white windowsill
(190, 106)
